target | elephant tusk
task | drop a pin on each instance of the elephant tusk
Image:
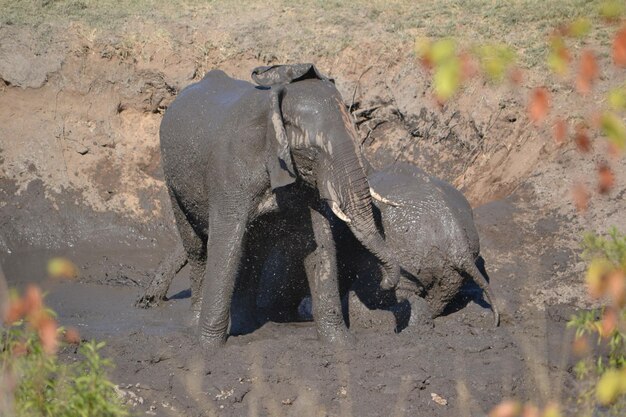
(382, 199)
(338, 212)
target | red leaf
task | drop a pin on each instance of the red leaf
(72, 336)
(539, 105)
(619, 48)
(581, 138)
(588, 71)
(606, 178)
(47, 331)
(560, 131)
(33, 300)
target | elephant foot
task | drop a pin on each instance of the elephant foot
(421, 313)
(337, 337)
(149, 299)
(211, 343)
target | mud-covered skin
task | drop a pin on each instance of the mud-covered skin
(431, 230)
(226, 145)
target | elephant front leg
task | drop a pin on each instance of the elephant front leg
(321, 271)
(224, 248)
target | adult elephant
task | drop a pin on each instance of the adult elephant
(232, 151)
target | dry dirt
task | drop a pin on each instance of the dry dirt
(80, 177)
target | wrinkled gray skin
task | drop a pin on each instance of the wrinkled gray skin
(233, 151)
(431, 230)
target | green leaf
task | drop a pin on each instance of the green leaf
(580, 27)
(609, 387)
(613, 128)
(617, 98)
(447, 79)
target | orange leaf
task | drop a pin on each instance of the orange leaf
(616, 283)
(48, 335)
(608, 324)
(560, 131)
(580, 346)
(606, 178)
(530, 411)
(507, 408)
(33, 300)
(588, 71)
(16, 311)
(619, 48)
(580, 195)
(72, 336)
(539, 105)
(582, 139)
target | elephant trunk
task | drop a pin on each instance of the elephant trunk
(348, 194)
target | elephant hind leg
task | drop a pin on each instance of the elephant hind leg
(163, 277)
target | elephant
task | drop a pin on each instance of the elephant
(427, 222)
(233, 151)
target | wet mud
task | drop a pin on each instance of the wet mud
(461, 366)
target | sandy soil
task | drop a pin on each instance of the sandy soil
(80, 177)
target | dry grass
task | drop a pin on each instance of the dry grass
(299, 29)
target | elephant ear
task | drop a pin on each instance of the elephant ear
(279, 164)
(285, 74)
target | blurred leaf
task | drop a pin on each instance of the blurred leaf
(588, 71)
(447, 79)
(580, 346)
(423, 51)
(507, 408)
(579, 27)
(619, 48)
(606, 178)
(597, 272)
(539, 104)
(62, 268)
(530, 410)
(552, 410)
(442, 51)
(616, 287)
(609, 387)
(617, 98)
(581, 138)
(559, 56)
(611, 10)
(48, 335)
(609, 322)
(613, 128)
(495, 59)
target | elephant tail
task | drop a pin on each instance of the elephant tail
(479, 278)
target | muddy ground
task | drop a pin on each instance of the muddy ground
(80, 177)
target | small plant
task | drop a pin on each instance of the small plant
(34, 382)
(605, 365)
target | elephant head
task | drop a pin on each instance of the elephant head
(316, 139)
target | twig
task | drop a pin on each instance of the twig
(358, 81)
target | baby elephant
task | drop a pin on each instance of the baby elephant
(429, 225)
